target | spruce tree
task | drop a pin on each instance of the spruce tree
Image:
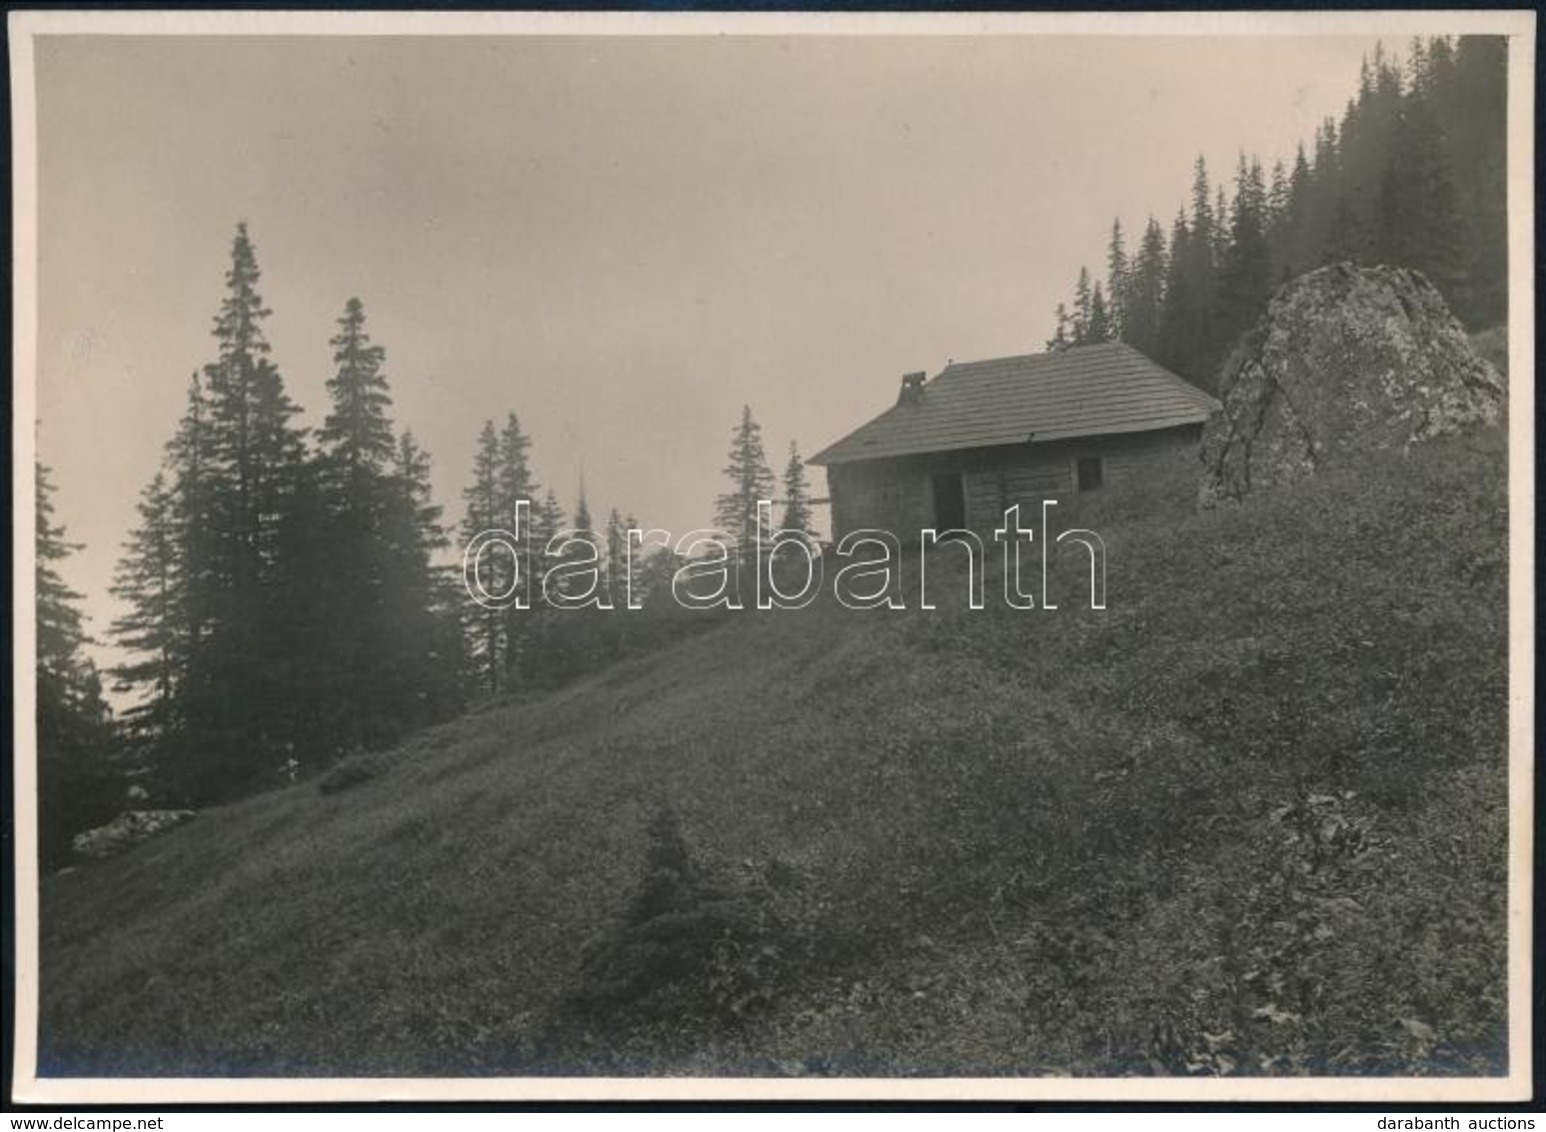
(1146, 292)
(616, 542)
(253, 463)
(1203, 219)
(797, 497)
(1080, 330)
(486, 626)
(356, 439)
(1470, 105)
(362, 586)
(548, 519)
(545, 661)
(735, 512)
(1178, 316)
(516, 486)
(74, 784)
(1099, 328)
(1244, 278)
(149, 580)
(637, 574)
(1062, 337)
(1419, 217)
(1118, 282)
(420, 599)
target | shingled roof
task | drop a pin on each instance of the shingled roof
(1084, 391)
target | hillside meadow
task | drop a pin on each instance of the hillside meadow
(1249, 819)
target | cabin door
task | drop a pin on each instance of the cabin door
(949, 502)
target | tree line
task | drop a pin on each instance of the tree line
(1412, 175)
(292, 597)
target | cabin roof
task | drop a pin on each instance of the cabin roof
(1084, 391)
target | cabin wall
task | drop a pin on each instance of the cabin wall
(897, 495)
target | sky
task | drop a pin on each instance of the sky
(622, 239)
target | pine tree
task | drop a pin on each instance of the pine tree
(1202, 222)
(1099, 328)
(486, 627)
(149, 580)
(1419, 218)
(616, 561)
(1118, 283)
(1288, 240)
(637, 574)
(576, 638)
(357, 436)
(1189, 334)
(73, 732)
(546, 657)
(170, 582)
(515, 481)
(61, 633)
(1220, 227)
(254, 448)
(371, 593)
(1061, 337)
(584, 532)
(516, 486)
(1244, 278)
(1277, 196)
(421, 600)
(1146, 292)
(548, 520)
(735, 512)
(1082, 298)
(797, 497)
(1470, 104)
(253, 462)
(1179, 314)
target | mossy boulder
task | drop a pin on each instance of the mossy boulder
(1345, 358)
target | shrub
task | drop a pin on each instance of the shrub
(699, 948)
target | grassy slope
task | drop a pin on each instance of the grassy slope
(1251, 818)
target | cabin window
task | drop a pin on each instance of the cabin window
(1089, 473)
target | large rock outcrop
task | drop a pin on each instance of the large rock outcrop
(1345, 357)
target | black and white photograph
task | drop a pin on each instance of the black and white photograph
(584, 555)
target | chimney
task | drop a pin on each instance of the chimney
(912, 388)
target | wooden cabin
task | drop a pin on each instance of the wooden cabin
(958, 450)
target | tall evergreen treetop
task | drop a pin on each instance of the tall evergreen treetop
(61, 632)
(239, 325)
(357, 434)
(582, 516)
(1202, 220)
(482, 494)
(253, 450)
(149, 579)
(1100, 326)
(413, 471)
(1118, 280)
(514, 477)
(797, 496)
(735, 512)
(73, 727)
(1062, 337)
